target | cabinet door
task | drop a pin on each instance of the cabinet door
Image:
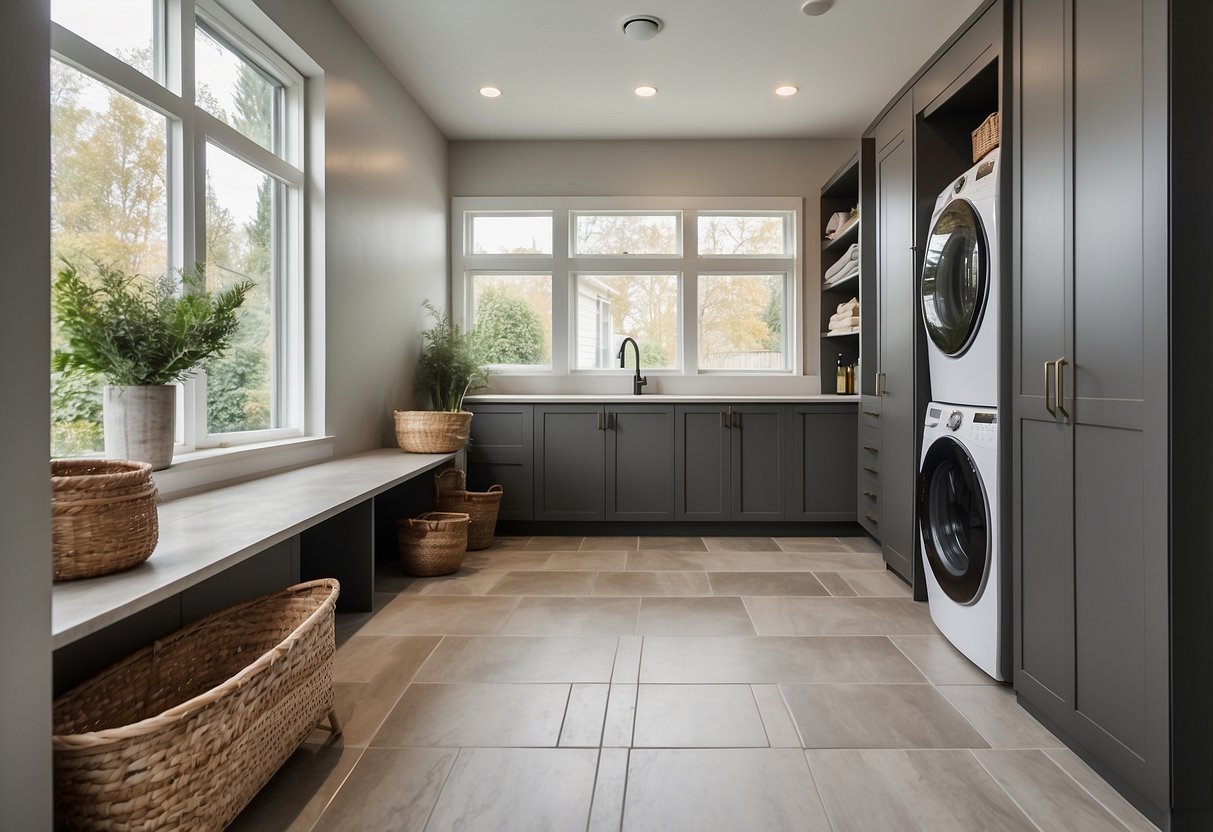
(760, 449)
(701, 462)
(569, 470)
(897, 286)
(640, 462)
(501, 453)
(821, 476)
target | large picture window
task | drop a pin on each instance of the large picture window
(151, 176)
(703, 285)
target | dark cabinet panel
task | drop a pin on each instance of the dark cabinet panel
(822, 477)
(640, 462)
(701, 462)
(569, 462)
(759, 450)
(502, 452)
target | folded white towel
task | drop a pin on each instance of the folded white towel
(852, 304)
(844, 324)
(843, 262)
(845, 274)
(835, 222)
(845, 227)
(844, 316)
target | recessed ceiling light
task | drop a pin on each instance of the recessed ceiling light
(642, 27)
(816, 7)
(786, 90)
(646, 91)
(490, 92)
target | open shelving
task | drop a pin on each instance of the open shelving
(840, 193)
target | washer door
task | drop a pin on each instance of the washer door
(954, 282)
(954, 520)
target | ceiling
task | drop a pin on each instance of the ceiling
(567, 71)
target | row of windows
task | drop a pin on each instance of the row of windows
(152, 173)
(556, 290)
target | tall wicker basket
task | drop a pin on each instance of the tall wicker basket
(451, 494)
(183, 733)
(433, 543)
(103, 516)
(432, 431)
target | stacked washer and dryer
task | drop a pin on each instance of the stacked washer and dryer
(958, 476)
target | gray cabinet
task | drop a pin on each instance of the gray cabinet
(731, 461)
(501, 452)
(821, 476)
(1090, 395)
(867, 479)
(895, 381)
(595, 462)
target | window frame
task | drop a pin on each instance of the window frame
(565, 267)
(172, 94)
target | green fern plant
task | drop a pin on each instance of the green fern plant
(450, 364)
(135, 331)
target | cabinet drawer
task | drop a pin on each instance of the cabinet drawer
(870, 520)
(869, 412)
(868, 493)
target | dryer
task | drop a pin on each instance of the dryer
(959, 534)
(959, 289)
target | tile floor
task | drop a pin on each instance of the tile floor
(672, 683)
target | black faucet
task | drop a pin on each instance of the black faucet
(640, 381)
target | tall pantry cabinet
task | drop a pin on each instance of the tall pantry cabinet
(1091, 393)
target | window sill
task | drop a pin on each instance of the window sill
(198, 470)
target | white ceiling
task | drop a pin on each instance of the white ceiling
(567, 71)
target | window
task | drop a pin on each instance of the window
(151, 181)
(702, 285)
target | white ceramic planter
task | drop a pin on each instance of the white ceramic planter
(140, 423)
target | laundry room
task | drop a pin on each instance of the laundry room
(686, 415)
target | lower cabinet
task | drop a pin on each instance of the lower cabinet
(502, 452)
(822, 478)
(595, 462)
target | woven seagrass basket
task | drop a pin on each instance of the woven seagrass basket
(985, 137)
(183, 733)
(103, 516)
(433, 543)
(451, 494)
(432, 431)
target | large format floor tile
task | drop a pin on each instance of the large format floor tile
(574, 617)
(940, 662)
(693, 660)
(839, 616)
(912, 791)
(293, 800)
(587, 561)
(475, 715)
(520, 659)
(740, 544)
(994, 712)
(693, 617)
(1124, 811)
(544, 583)
(878, 716)
(615, 544)
(1050, 797)
(516, 790)
(876, 584)
(652, 583)
(426, 615)
(394, 788)
(673, 544)
(766, 583)
(721, 791)
(697, 716)
(467, 581)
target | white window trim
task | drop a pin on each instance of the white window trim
(689, 264)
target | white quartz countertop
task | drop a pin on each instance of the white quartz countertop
(204, 534)
(660, 398)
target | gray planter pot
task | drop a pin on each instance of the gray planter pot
(140, 423)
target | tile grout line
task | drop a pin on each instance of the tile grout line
(337, 790)
(1092, 795)
(1007, 791)
(813, 779)
(430, 814)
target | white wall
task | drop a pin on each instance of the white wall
(758, 167)
(386, 205)
(25, 585)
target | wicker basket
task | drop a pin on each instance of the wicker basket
(183, 733)
(985, 137)
(432, 431)
(451, 494)
(433, 543)
(103, 516)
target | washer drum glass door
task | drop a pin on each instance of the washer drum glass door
(954, 520)
(954, 281)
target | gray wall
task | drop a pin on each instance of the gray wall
(25, 588)
(743, 167)
(386, 206)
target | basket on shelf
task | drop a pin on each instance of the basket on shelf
(183, 733)
(451, 494)
(985, 137)
(103, 516)
(433, 543)
(432, 431)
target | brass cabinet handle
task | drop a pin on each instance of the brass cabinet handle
(734, 418)
(1059, 387)
(871, 450)
(724, 420)
(601, 421)
(1048, 406)
(872, 520)
(879, 378)
(610, 420)
(870, 495)
(871, 413)
(872, 471)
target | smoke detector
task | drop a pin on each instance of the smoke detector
(816, 7)
(642, 27)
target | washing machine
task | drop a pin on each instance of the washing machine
(958, 532)
(959, 289)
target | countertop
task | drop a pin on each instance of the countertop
(658, 398)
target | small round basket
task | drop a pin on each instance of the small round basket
(451, 494)
(432, 431)
(433, 543)
(103, 516)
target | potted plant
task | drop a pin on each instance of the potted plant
(141, 335)
(450, 366)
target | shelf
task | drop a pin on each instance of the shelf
(843, 240)
(850, 284)
(839, 334)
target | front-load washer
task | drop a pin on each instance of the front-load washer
(958, 531)
(959, 289)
